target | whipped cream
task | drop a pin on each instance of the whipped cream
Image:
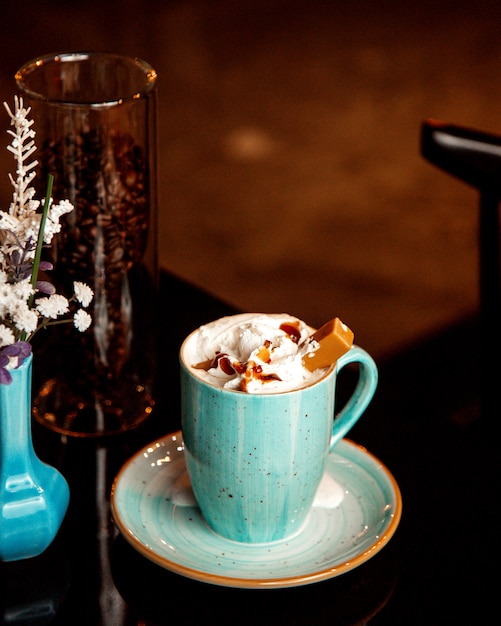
(253, 352)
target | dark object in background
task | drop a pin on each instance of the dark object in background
(475, 158)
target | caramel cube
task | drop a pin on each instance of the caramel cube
(334, 339)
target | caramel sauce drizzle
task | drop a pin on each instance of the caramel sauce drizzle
(250, 370)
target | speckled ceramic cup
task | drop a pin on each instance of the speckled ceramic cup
(255, 461)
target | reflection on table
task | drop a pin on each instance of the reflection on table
(424, 425)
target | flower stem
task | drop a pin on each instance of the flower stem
(38, 251)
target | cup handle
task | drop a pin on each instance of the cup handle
(361, 396)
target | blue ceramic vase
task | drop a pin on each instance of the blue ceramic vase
(34, 496)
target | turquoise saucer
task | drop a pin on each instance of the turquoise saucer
(356, 512)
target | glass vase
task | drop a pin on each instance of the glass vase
(95, 123)
(34, 496)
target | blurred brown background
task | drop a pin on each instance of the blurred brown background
(290, 172)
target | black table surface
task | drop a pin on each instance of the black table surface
(425, 424)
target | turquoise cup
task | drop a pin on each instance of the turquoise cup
(255, 461)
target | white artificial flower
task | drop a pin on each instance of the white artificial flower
(6, 336)
(52, 306)
(52, 225)
(82, 320)
(57, 210)
(83, 293)
(20, 239)
(23, 289)
(9, 299)
(25, 318)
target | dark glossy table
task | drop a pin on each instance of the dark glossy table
(424, 424)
